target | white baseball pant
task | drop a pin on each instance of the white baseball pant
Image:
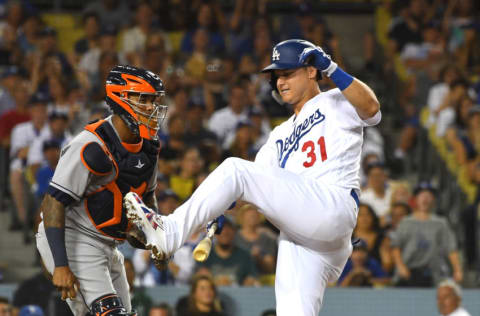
(316, 220)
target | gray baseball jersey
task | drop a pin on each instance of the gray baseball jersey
(92, 255)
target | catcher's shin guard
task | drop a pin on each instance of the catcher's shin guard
(109, 305)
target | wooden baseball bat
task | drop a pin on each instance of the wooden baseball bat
(201, 252)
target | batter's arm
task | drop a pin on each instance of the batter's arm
(362, 98)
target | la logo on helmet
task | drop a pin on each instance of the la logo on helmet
(275, 55)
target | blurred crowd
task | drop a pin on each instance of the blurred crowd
(220, 106)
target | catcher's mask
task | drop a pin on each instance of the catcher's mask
(138, 97)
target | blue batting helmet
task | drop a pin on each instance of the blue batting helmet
(286, 55)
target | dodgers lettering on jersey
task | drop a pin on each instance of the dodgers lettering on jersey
(291, 143)
(323, 141)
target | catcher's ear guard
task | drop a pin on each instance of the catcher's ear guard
(109, 305)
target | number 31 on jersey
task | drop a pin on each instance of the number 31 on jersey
(309, 148)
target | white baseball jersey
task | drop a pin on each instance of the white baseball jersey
(323, 141)
(304, 181)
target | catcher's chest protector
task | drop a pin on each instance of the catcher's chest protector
(133, 172)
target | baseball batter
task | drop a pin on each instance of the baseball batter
(83, 214)
(305, 179)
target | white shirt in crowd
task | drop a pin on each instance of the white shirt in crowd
(460, 311)
(380, 205)
(23, 135)
(224, 123)
(446, 117)
(35, 154)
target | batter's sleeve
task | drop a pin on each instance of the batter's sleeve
(71, 177)
(347, 115)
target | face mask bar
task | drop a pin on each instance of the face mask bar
(156, 116)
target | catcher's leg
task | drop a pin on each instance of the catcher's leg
(308, 211)
(89, 260)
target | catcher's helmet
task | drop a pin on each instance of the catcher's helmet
(137, 96)
(286, 55)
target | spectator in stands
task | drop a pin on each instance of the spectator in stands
(22, 139)
(469, 52)
(28, 34)
(183, 265)
(196, 61)
(156, 56)
(134, 38)
(57, 130)
(9, 80)
(378, 192)
(471, 224)
(162, 309)
(174, 142)
(467, 145)
(437, 93)
(5, 308)
(17, 115)
(168, 201)
(90, 61)
(47, 61)
(368, 229)
(202, 300)
(111, 12)
(224, 121)
(444, 115)
(228, 264)
(183, 183)
(91, 26)
(361, 269)
(258, 241)
(209, 17)
(242, 143)
(401, 192)
(407, 28)
(196, 133)
(39, 290)
(106, 61)
(449, 299)
(141, 302)
(242, 25)
(147, 274)
(368, 159)
(51, 152)
(10, 52)
(398, 211)
(425, 57)
(423, 244)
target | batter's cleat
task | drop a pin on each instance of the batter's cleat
(150, 223)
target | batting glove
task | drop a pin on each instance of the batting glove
(319, 59)
(220, 221)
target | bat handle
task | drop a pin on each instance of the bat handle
(201, 252)
(211, 230)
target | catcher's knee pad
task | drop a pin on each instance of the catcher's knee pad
(109, 305)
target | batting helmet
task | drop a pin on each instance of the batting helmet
(286, 55)
(137, 96)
